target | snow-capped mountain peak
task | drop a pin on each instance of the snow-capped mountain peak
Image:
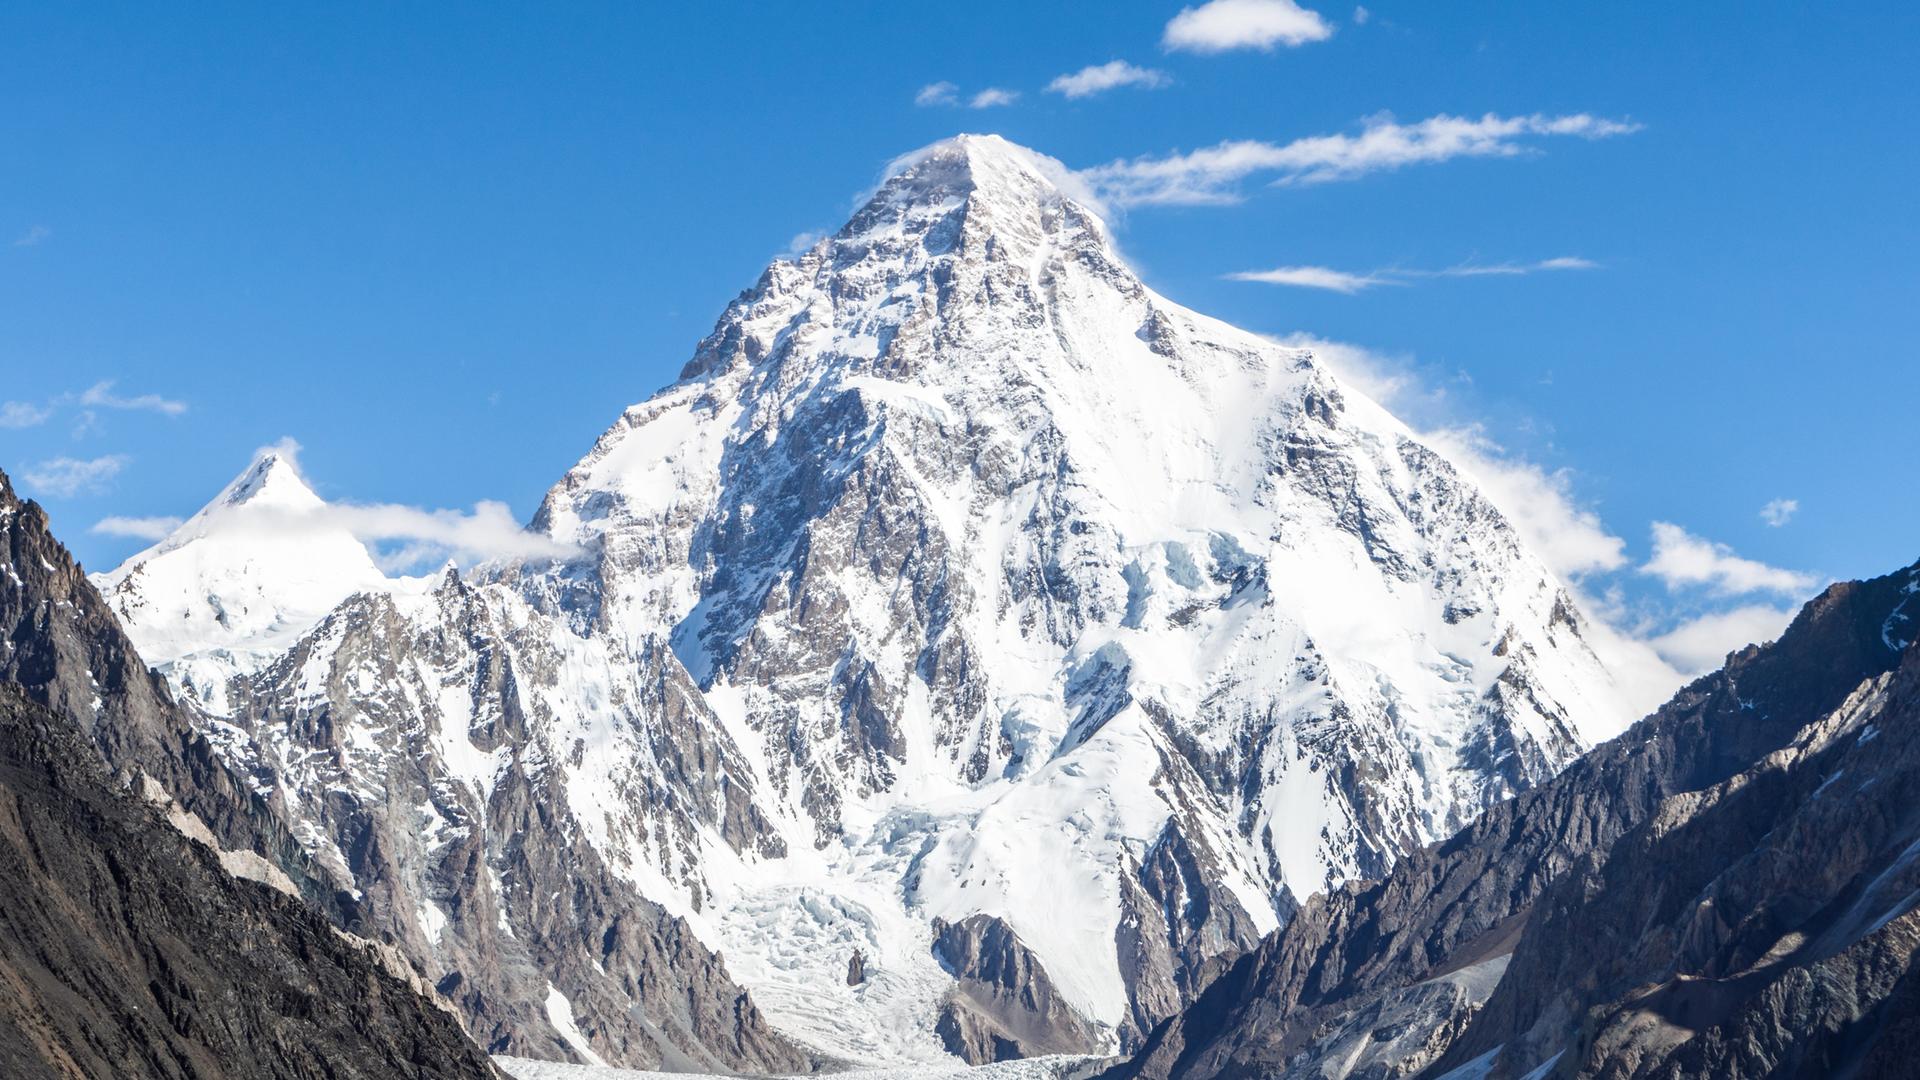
(966, 604)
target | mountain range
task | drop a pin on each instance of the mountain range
(976, 654)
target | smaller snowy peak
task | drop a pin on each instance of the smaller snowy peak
(272, 480)
(254, 569)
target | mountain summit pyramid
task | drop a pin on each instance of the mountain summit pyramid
(964, 603)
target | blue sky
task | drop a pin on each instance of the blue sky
(442, 247)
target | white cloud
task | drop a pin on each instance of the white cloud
(21, 414)
(1212, 175)
(1099, 78)
(1779, 511)
(1506, 269)
(1540, 504)
(1361, 15)
(803, 242)
(65, 477)
(1702, 644)
(101, 395)
(34, 235)
(1683, 560)
(1345, 281)
(993, 96)
(1313, 277)
(488, 532)
(939, 93)
(412, 535)
(140, 528)
(1222, 25)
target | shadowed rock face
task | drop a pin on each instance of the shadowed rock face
(127, 948)
(64, 648)
(1725, 890)
(1004, 1005)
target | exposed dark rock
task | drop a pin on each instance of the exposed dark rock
(1004, 1006)
(857, 968)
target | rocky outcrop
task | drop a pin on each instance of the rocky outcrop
(1675, 903)
(415, 747)
(1003, 1005)
(1765, 925)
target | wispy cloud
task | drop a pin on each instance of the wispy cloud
(35, 234)
(1099, 78)
(1313, 277)
(803, 242)
(993, 97)
(1213, 174)
(1223, 25)
(139, 528)
(1649, 644)
(1506, 269)
(938, 93)
(22, 414)
(1701, 644)
(1682, 560)
(1779, 511)
(948, 94)
(101, 396)
(1344, 281)
(65, 477)
(1361, 15)
(489, 531)
(1569, 536)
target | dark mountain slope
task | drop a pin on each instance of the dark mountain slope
(1381, 979)
(127, 950)
(64, 648)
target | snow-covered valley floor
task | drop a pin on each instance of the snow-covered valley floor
(1059, 1067)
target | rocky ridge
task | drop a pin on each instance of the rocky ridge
(1728, 889)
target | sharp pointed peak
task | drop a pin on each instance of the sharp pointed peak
(989, 163)
(273, 477)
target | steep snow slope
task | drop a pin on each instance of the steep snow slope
(1010, 565)
(961, 574)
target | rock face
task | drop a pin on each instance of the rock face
(1004, 1006)
(959, 575)
(129, 949)
(1728, 889)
